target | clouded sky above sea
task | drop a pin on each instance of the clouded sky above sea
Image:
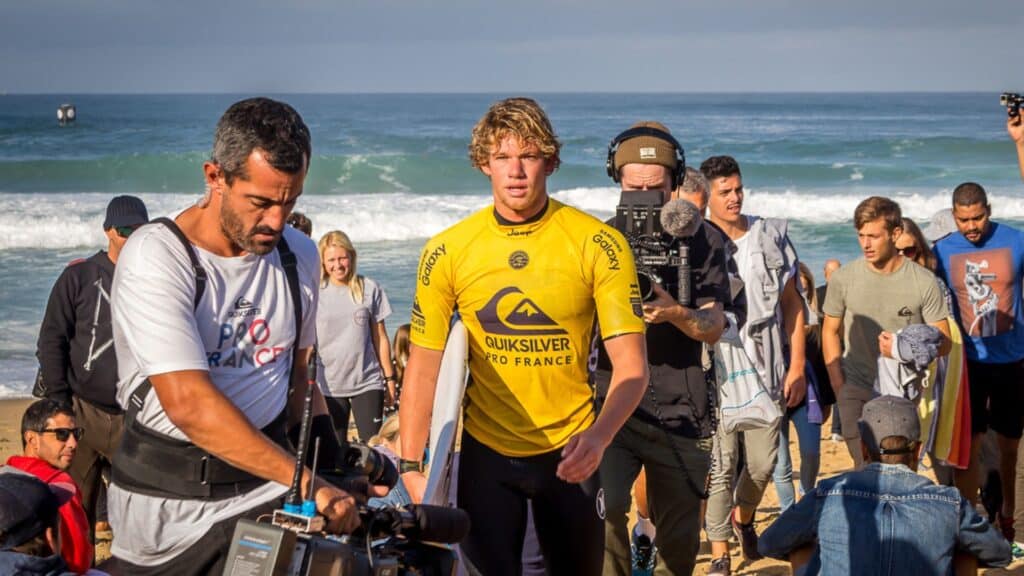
(70, 46)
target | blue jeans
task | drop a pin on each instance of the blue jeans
(809, 438)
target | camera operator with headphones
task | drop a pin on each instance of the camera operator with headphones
(669, 433)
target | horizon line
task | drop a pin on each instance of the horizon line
(493, 93)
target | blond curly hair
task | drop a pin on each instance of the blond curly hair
(519, 117)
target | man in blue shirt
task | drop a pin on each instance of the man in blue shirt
(983, 264)
(884, 518)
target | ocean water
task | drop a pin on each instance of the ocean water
(391, 170)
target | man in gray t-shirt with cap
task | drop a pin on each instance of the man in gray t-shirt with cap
(884, 518)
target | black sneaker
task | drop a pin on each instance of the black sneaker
(747, 536)
(720, 567)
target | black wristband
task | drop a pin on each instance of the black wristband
(409, 466)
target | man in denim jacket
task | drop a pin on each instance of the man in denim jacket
(884, 518)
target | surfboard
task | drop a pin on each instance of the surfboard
(444, 423)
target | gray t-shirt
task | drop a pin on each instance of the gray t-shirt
(349, 364)
(869, 302)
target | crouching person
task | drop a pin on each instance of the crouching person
(884, 518)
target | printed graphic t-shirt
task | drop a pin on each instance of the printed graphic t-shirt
(985, 280)
(350, 365)
(242, 332)
(528, 295)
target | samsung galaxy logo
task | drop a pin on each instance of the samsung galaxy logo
(429, 262)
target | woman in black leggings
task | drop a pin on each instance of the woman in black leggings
(356, 374)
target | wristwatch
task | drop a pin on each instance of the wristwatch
(409, 466)
(390, 379)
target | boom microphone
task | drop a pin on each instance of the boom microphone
(680, 218)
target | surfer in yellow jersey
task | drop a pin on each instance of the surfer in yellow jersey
(529, 276)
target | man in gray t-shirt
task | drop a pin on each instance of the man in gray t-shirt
(869, 299)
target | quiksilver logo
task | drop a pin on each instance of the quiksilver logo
(244, 309)
(525, 318)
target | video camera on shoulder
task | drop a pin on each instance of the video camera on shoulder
(1012, 102)
(658, 234)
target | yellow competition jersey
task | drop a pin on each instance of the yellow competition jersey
(528, 295)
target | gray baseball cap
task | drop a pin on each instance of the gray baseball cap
(887, 416)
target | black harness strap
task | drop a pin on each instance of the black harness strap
(197, 268)
(291, 272)
(156, 464)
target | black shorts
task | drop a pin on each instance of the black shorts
(997, 397)
(495, 490)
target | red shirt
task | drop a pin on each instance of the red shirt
(76, 548)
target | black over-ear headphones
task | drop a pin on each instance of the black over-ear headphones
(677, 174)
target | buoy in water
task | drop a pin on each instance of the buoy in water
(66, 114)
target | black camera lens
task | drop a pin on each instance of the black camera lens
(646, 284)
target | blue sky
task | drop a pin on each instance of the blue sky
(74, 46)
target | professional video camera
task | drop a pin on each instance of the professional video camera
(1012, 102)
(390, 541)
(658, 234)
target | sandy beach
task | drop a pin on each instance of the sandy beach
(834, 460)
(10, 424)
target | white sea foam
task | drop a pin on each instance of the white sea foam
(16, 377)
(75, 220)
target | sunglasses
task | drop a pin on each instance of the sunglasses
(909, 252)
(63, 434)
(125, 231)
